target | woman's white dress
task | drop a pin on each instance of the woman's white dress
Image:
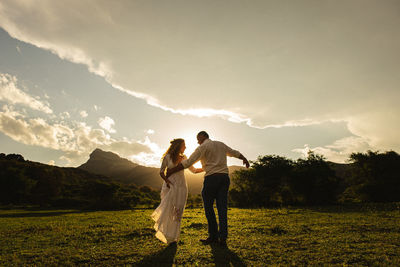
(168, 214)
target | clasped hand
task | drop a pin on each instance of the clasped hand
(168, 182)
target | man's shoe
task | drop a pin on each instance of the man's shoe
(209, 241)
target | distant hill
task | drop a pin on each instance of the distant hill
(125, 171)
(107, 163)
(341, 169)
(121, 169)
(27, 182)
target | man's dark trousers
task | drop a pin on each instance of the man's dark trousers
(216, 187)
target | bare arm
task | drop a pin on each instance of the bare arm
(163, 175)
(175, 169)
(165, 178)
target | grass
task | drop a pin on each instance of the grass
(257, 237)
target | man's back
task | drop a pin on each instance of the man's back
(212, 155)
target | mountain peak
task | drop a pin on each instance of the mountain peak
(105, 162)
(99, 154)
(123, 170)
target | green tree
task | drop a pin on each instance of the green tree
(265, 183)
(314, 181)
(375, 177)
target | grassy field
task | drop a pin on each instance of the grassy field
(289, 236)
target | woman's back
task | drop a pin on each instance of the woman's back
(178, 177)
(168, 214)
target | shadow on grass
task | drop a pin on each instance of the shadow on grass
(356, 207)
(223, 256)
(164, 257)
(37, 214)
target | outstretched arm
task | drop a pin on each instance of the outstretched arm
(245, 161)
(194, 170)
(234, 153)
(186, 163)
(191, 168)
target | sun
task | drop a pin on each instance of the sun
(191, 144)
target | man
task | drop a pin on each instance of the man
(212, 155)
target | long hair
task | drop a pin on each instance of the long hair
(174, 149)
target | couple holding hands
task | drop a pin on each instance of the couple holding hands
(213, 157)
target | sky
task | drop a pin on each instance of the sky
(265, 77)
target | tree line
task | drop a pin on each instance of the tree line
(31, 183)
(275, 180)
(271, 180)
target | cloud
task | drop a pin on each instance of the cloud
(340, 150)
(83, 113)
(270, 67)
(65, 115)
(150, 131)
(107, 124)
(34, 131)
(75, 139)
(149, 158)
(380, 127)
(10, 93)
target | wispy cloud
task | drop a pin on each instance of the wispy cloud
(10, 93)
(75, 139)
(253, 73)
(340, 150)
(149, 158)
(224, 114)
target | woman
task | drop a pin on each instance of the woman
(168, 214)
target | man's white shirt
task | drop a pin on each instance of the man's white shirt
(212, 155)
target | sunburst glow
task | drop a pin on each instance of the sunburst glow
(191, 144)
